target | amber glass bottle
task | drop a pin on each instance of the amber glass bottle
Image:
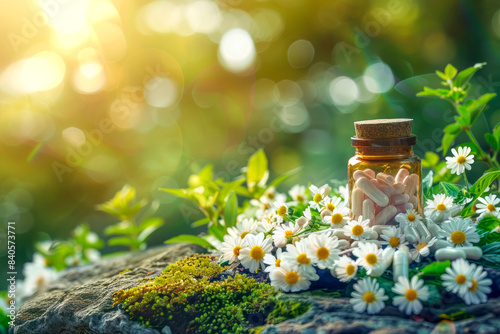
(385, 176)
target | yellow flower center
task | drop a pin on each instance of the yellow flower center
(458, 237)
(411, 217)
(322, 253)
(236, 250)
(303, 259)
(369, 297)
(460, 279)
(300, 198)
(394, 242)
(330, 206)
(270, 195)
(257, 253)
(317, 198)
(441, 207)
(421, 245)
(411, 294)
(282, 210)
(371, 259)
(337, 218)
(243, 235)
(474, 285)
(357, 230)
(349, 270)
(490, 207)
(292, 277)
(277, 263)
(288, 234)
(461, 159)
(39, 281)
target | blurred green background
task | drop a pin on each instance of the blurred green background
(95, 94)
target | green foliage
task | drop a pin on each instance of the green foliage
(491, 255)
(217, 199)
(456, 92)
(74, 251)
(4, 322)
(457, 316)
(435, 268)
(189, 297)
(287, 309)
(136, 223)
(478, 189)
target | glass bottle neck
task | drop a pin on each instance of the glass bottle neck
(384, 152)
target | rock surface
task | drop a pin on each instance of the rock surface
(81, 300)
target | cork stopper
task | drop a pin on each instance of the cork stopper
(383, 128)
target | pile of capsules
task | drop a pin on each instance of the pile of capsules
(380, 197)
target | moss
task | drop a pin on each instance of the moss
(460, 315)
(287, 309)
(193, 296)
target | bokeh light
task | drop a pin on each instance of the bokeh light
(237, 50)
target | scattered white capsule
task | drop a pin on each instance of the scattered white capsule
(455, 210)
(449, 253)
(380, 228)
(372, 241)
(472, 252)
(340, 234)
(385, 262)
(402, 173)
(411, 234)
(433, 228)
(401, 263)
(422, 229)
(343, 243)
(440, 244)
(374, 193)
(385, 215)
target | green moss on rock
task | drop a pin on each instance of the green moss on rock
(194, 296)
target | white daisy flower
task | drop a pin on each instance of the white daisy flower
(460, 232)
(323, 250)
(37, 275)
(289, 279)
(317, 196)
(343, 191)
(438, 208)
(272, 261)
(256, 249)
(478, 292)
(284, 232)
(345, 269)
(460, 161)
(422, 248)
(458, 277)
(265, 226)
(298, 194)
(393, 237)
(368, 296)
(243, 228)
(331, 203)
(281, 210)
(409, 217)
(357, 229)
(305, 219)
(488, 205)
(369, 256)
(338, 218)
(231, 247)
(297, 256)
(410, 295)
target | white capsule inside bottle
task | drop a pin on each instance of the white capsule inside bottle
(385, 215)
(402, 173)
(358, 197)
(374, 193)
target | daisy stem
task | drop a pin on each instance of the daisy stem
(466, 182)
(486, 156)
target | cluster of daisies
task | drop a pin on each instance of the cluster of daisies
(292, 236)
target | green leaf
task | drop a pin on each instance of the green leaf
(496, 132)
(435, 268)
(488, 223)
(447, 141)
(449, 189)
(228, 188)
(463, 77)
(148, 227)
(257, 168)
(201, 222)
(492, 141)
(442, 76)
(479, 105)
(218, 231)
(465, 115)
(231, 210)
(431, 159)
(122, 241)
(478, 189)
(190, 239)
(427, 184)
(183, 193)
(450, 71)
(453, 129)
(124, 227)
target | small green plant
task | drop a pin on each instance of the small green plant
(217, 199)
(190, 296)
(287, 309)
(136, 222)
